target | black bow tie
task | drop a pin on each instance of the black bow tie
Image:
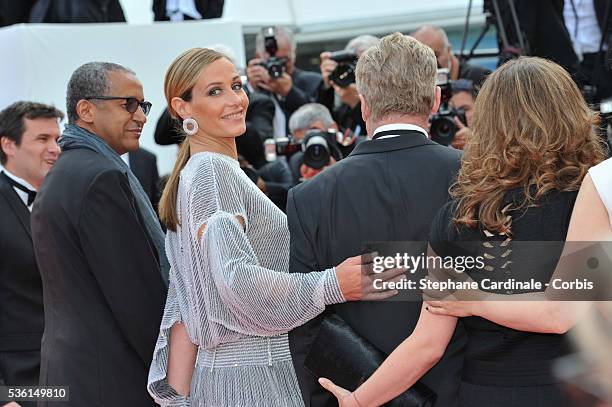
(31, 194)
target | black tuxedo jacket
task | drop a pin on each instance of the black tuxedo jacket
(544, 25)
(385, 190)
(15, 12)
(600, 11)
(21, 300)
(77, 11)
(143, 164)
(103, 292)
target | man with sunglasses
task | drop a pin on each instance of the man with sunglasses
(99, 247)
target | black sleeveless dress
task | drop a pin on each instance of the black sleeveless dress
(504, 367)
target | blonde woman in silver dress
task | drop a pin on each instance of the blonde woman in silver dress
(231, 300)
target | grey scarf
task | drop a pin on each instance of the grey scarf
(77, 137)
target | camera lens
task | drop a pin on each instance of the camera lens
(316, 154)
(443, 129)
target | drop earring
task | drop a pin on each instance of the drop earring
(190, 126)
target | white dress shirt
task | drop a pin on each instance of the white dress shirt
(581, 23)
(23, 195)
(398, 126)
(176, 9)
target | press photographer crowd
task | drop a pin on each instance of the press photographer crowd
(245, 277)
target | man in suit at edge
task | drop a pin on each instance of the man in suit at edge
(143, 164)
(28, 148)
(96, 241)
(388, 189)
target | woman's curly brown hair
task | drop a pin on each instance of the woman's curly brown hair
(531, 129)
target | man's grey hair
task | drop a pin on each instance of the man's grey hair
(90, 79)
(225, 50)
(431, 28)
(281, 33)
(397, 76)
(359, 44)
(307, 115)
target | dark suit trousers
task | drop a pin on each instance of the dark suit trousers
(20, 368)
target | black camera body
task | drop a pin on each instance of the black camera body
(443, 127)
(344, 74)
(442, 124)
(318, 147)
(285, 146)
(274, 65)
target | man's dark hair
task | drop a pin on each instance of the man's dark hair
(90, 79)
(465, 85)
(12, 123)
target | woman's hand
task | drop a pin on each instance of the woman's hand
(345, 397)
(452, 308)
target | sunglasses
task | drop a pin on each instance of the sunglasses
(131, 103)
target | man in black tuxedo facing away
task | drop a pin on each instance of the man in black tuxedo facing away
(28, 148)
(97, 243)
(388, 189)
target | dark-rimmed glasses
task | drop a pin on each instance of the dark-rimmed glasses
(131, 103)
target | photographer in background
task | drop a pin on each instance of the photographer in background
(313, 126)
(436, 39)
(338, 91)
(462, 100)
(449, 125)
(273, 72)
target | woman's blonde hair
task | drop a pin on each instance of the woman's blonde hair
(531, 129)
(181, 77)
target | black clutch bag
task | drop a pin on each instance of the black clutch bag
(347, 359)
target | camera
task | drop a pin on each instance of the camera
(443, 127)
(281, 146)
(274, 65)
(442, 124)
(344, 74)
(318, 147)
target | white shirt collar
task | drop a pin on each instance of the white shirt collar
(20, 180)
(399, 126)
(22, 195)
(126, 158)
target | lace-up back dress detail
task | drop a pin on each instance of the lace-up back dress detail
(230, 287)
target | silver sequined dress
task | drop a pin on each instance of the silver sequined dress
(231, 289)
